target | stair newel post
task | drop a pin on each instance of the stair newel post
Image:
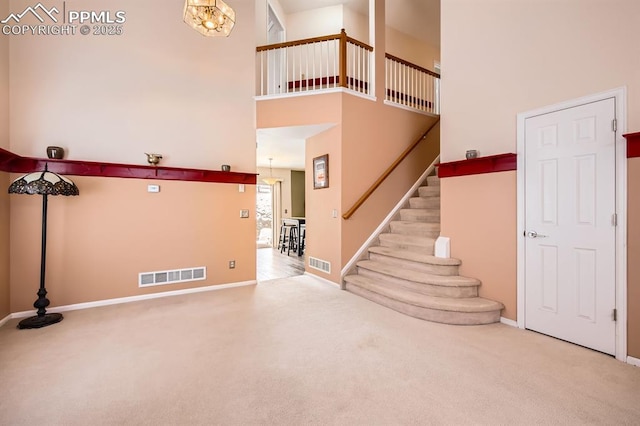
(343, 58)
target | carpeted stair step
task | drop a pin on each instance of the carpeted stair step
(424, 202)
(418, 281)
(407, 242)
(423, 229)
(415, 260)
(420, 215)
(429, 191)
(460, 311)
(433, 181)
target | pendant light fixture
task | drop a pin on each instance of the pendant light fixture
(271, 180)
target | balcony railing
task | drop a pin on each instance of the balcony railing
(339, 61)
(411, 85)
(314, 64)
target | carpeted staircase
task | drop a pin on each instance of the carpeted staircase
(402, 273)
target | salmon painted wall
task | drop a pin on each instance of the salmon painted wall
(411, 49)
(481, 222)
(158, 87)
(633, 260)
(501, 58)
(323, 108)
(324, 231)
(327, 20)
(4, 246)
(374, 135)
(356, 24)
(99, 241)
(4, 177)
(315, 22)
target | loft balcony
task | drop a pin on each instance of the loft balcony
(338, 62)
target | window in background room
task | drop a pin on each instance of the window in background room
(264, 216)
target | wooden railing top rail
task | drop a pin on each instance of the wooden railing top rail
(386, 173)
(314, 40)
(359, 43)
(409, 64)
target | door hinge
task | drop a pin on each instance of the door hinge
(614, 219)
(614, 125)
(615, 314)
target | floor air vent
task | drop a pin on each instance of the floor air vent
(320, 265)
(147, 279)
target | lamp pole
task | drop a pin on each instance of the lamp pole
(42, 319)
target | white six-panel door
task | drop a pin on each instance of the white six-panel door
(570, 201)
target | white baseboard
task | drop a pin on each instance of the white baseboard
(323, 280)
(509, 322)
(633, 361)
(4, 320)
(117, 301)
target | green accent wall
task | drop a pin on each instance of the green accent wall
(297, 193)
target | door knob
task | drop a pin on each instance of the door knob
(534, 234)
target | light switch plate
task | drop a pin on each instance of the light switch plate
(153, 188)
(244, 213)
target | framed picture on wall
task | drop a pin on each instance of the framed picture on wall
(321, 172)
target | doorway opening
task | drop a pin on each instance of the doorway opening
(276, 203)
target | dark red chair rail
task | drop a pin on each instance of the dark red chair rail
(480, 165)
(13, 163)
(633, 144)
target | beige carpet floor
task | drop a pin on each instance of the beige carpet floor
(299, 351)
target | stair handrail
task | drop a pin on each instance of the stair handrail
(411, 65)
(387, 172)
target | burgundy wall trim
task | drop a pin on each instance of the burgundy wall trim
(480, 165)
(12, 163)
(633, 144)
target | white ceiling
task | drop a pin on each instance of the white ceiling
(294, 6)
(285, 145)
(418, 18)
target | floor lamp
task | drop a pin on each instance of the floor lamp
(42, 183)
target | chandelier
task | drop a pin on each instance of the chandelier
(209, 17)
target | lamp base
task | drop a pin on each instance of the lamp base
(39, 322)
